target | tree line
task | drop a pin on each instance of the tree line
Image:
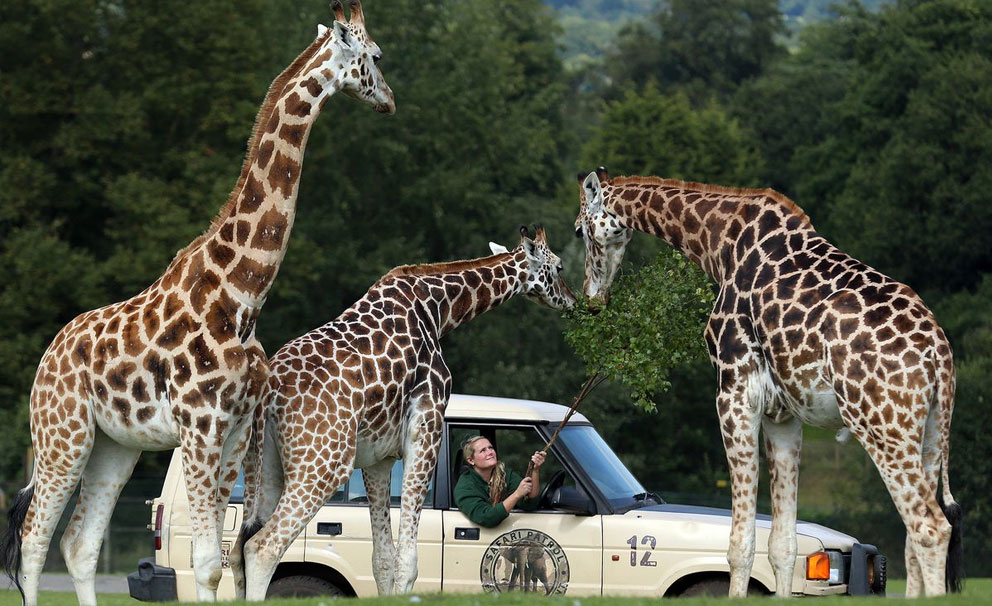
(123, 127)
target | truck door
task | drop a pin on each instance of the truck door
(544, 551)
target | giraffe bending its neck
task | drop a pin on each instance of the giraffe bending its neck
(179, 364)
(369, 388)
(800, 333)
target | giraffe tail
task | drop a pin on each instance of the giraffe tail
(954, 571)
(10, 544)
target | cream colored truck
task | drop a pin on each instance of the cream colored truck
(596, 532)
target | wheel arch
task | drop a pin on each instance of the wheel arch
(683, 583)
(289, 569)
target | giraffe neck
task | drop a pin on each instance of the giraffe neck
(707, 223)
(247, 241)
(450, 294)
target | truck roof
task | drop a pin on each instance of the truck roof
(463, 406)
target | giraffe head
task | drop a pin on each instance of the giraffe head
(605, 236)
(541, 274)
(356, 57)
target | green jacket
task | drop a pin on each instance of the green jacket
(472, 498)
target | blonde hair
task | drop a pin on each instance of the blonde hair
(497, 482)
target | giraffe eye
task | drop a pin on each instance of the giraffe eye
(376, 58)
(578, 232)
(559, 268)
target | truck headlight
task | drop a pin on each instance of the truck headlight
(825, 566)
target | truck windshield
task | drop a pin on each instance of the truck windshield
(596, 458)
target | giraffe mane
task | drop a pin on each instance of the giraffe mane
(448, 267)
(706, 188)
(274, 93)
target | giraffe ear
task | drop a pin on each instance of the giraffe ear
(594, 194)
(343, 33)
(497, 248)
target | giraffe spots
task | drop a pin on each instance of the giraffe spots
(144, 414)
(293, 134)
(273, 122)
(203, 357)
(312, 85)
(158, 369)
(172, 305)
(219, 253)
(81, 351)
(250, 276)
(297, 106)
(134, 344)
(117, 378)
(139, 391)
(769, 222)
(226, 232)
(283, 174)
(271, 230)
(182, 369)
(252, 195)
(243, 230)
(207, 283)
(775, 248)
(175, 333)
(123, 408)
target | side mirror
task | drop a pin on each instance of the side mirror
(573, 500)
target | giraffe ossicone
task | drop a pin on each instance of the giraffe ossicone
(800, 333)
(178, 364)
(368, 388)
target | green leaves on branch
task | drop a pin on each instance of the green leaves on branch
(654, 323)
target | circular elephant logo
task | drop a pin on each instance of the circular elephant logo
(525, 560)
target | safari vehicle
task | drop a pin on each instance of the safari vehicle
(597, 530)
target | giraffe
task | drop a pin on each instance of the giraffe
(800, 332)
(368, 388)
(178, 364)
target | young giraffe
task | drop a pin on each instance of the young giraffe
(800, 333)
(179, 364)
(369, 388)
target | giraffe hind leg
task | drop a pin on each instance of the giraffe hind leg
(108, 469)
(41, 519)
(377, 479)
(914, 495)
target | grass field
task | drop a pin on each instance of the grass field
(977, 591)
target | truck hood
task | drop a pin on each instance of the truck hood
(830, 538)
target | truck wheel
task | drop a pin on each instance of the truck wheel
(302, 586)
(717, 588)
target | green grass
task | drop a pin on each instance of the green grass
(977, 591)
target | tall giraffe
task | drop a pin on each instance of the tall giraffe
(800, 333)
(368, 388)
(178, 364)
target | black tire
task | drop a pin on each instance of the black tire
(302, 586)
(717, 588)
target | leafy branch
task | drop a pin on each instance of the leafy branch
(654, 323)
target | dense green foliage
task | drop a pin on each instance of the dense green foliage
(123, 128)
(651, 325)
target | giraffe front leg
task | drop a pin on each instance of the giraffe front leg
(201, 469)
(423, 438)
(783, 442)
(739, 426)
(383, 551)
(108, 469)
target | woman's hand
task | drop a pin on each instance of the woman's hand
(538, 458)
(524, 488)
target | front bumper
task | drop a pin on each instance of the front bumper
(152, 583)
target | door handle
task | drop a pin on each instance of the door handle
(329, 528)
(467, 534)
